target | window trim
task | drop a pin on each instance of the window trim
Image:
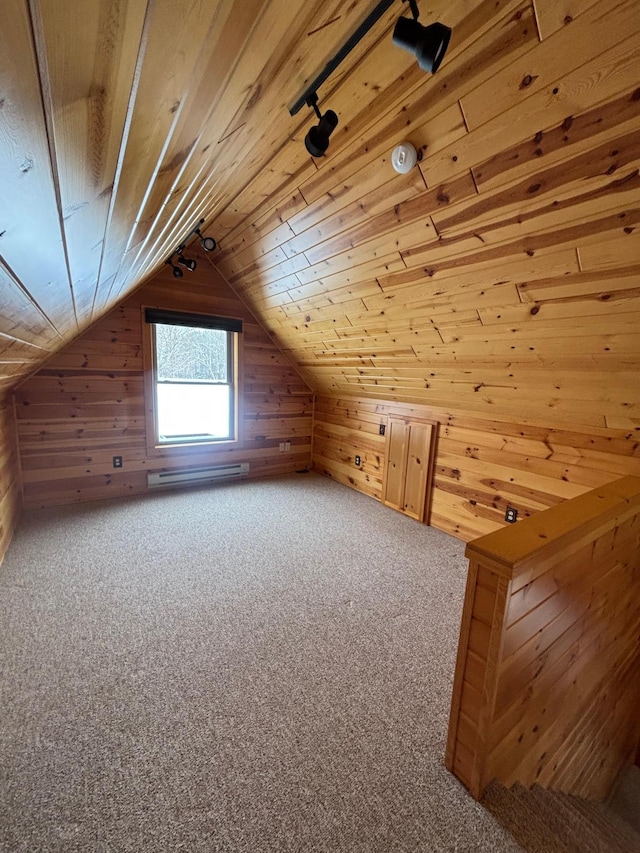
(152, 315)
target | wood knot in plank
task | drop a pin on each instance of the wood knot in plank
(527, 80)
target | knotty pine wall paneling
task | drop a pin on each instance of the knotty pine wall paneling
(87, 404)
(114, 146)
(10, 482)
(497, 285)
(481, 465)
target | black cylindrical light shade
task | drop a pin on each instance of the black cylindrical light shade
(177, 272)
(208, 244)
(317, 140)
(429, 44)
(187, 262)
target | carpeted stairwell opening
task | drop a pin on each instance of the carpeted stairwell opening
(545, 821)
(252, 667)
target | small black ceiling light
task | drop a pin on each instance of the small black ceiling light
(317, 139)
(429, 44)
(207, 243)
(177, 272)
(187, 262)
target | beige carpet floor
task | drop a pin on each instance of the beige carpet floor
(251, 667)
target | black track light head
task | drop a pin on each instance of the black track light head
(317, 139)
(177, 272)
(429, 44)
(187, 262)
(207, 243)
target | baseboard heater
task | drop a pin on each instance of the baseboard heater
(198, 475)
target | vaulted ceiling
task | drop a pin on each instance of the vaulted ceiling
(500, 275)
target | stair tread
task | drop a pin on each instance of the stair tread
(544, 821)
(625, 801)
(530, 830)
(605, 817)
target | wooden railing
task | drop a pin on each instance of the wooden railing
(547, 682)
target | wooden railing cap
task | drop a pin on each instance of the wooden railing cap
(510, 550)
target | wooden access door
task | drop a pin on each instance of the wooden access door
(409, 463)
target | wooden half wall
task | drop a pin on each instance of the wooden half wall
(10, 497)
(481, 465)
(87, 404)
(547, 683)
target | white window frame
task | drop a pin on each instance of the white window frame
(233, 327)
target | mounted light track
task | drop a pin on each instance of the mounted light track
(207, 243)
(187, 262)
(177, 272)
(429, 44)
(317, 140)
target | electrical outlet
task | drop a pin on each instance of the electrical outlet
(511, 515)
(117, 461)
(381, 429)
(287, 446)
(357, 461)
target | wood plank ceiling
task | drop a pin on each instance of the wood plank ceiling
(500, 276)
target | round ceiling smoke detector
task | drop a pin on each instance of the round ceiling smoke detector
(404, 158)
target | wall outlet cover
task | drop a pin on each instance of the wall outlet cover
(381, 429)
(357, 461)
(117, 461)
(511, 515)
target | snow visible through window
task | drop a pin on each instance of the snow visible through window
(193, 383)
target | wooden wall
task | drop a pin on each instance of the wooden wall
(501, 277)
(10, 495)
(124, 122)
(482, 465)
(547, 681)
(87, 404)
(496, 287)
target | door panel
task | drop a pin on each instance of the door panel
(417, 474)
(396, 463)
(408, 469)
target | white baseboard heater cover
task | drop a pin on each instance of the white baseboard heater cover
(198, 475)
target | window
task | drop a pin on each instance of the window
(194, 376)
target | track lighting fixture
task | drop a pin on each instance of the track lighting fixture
(429, 44)
(187, 262)
(177, 272)
(207, 243)
(317, 139)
